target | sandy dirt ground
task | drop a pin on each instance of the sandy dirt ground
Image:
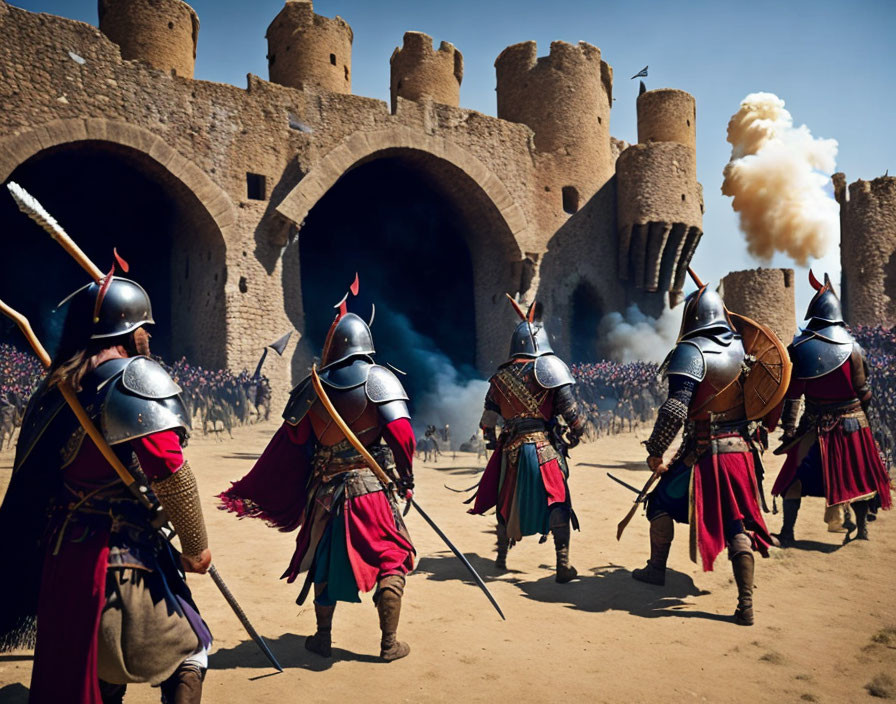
(826, 623)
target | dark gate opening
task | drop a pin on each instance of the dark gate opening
(586, 312)
(109, 196)
(390, 223)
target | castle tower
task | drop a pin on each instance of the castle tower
(868, 249)
(418, 72)
(565, 98)
(308, 50)
(162, 33)
(765, 295)
(659, 201)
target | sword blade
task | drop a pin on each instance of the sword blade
(459, 555)
(241, 615)
(625, 484)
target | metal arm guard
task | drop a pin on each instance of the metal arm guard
(669, 420)
(179, 497)
(565, 405)
(789, 415)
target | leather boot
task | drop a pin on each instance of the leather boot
(112, 693)
(861, 510)
(791, 507)
(565, 571)
(321, 641)
(743, 564)
(389, 606)
(184, 686)
(503, 545)
(662, 531)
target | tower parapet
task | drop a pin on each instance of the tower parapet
(417, 71)
(565, 98)
(766, 296)
(659, 201)
(162, 33)
(309, 50)
(667, 115)
(868, 249)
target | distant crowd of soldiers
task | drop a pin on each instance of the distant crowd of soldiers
(218, 400)
(879, 344)
(616, 398)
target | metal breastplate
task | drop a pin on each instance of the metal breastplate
(720, 391)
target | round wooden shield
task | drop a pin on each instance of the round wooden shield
(770, 367)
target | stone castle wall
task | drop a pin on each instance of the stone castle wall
(868, 249)
(765, 295)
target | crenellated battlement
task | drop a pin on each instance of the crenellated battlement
(417, 71)
(867, 249)
(308, 50)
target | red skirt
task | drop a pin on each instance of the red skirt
(848, 464)
(724, 491)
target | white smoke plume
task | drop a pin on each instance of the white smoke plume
(778, 176)
(453, 397)
(636, 337)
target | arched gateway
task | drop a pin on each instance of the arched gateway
(433, 233)
(112, 184)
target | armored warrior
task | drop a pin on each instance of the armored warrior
(526, 477)
(711, 482)
(832, 452)
(352, 536)
(105, 587)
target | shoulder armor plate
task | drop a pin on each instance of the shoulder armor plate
(815, 356)
(724, 359)
(686, 359)
(383, 385)
(147, 378)
(301, 398)
(143, 402)
(393, 410)
(551, 372)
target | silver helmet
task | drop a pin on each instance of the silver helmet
(704, 314)
(124, 307)
(349, 337)
(530, 340)
(824, 308)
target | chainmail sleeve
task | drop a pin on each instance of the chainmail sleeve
(565, 405)
(179, 496)
(671, 415)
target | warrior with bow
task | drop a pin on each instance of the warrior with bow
(352, 537)
(98, 585)
(724, 372)
(831, 453)
(526, 477)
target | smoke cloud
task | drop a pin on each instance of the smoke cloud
(441, 393)
(636, 337)
(778, 176)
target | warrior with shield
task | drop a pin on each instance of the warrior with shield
(352, 537)
(97, 584)
(725, 371)
(526, 477)
(831, 453)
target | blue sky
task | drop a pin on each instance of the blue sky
(832, 62)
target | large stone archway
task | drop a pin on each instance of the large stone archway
(115, 184)
(497, 259)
